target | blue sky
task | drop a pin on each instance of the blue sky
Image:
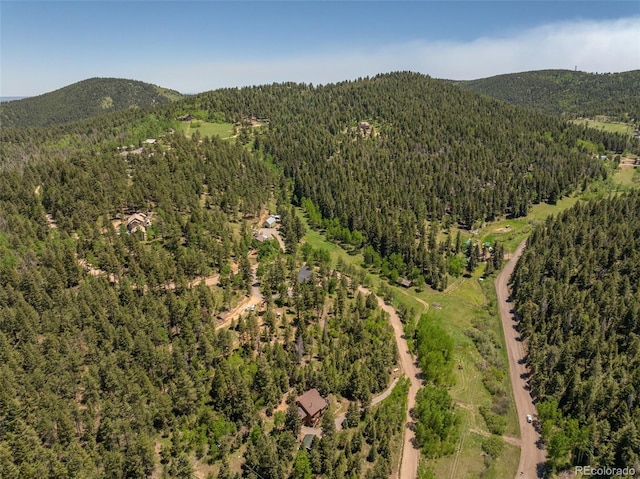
(202, 45)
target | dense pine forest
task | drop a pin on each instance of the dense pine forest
(84, 99)
(576, 291)
(111, 354)
(354, 150)
(377, 157)
(563, 92)
(126, 352)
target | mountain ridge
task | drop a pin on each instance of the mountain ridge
(84, 99)
(566, 92)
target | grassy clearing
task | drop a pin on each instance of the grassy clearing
(507, 463)
(610, 126)
(223, 130)
(627, 177)
(469, 461)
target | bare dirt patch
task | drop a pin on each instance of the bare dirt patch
(629, 162)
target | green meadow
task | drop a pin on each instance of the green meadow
(610, 126)
(205, 128)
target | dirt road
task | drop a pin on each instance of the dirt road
(410, 454)
(340, 419)
(255, 299)
(532, 458)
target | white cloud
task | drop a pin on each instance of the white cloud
(594, 46)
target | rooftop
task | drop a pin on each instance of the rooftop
(304, 274)
(311, 402)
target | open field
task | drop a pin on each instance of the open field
(610, 126)
(629, 177)
(223, 130)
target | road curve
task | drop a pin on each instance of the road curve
(532, 458)
(317, 431)
(410, 454)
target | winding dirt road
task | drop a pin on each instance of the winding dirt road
(532, 458)
(410, 453)
(317, 431)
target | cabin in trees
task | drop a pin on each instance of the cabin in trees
(138, 222)
(270, 221)
(311, 406)
(405, 283)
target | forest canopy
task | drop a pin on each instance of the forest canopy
(573, 94)
(577, 295)
(112, 359)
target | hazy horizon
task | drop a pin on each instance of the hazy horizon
(4, 99)
(200, 46)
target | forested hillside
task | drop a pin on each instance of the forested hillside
(377, 157)
(577, 294)
(373, 160)
(84, 99)
(565, 92)
(126, 352)
(113, 363)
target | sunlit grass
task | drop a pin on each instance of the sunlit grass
(223, 130)
(610, 126)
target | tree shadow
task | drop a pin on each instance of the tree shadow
(541, 470)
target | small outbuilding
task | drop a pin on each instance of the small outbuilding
(304, 274)
(308, 441)
(270, 222)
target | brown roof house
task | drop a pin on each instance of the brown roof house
(138, 222)
(311, 406)
(405, 283)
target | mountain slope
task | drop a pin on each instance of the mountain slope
(112, 360)
(84, 99)
(376, 157)
(575, 94)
